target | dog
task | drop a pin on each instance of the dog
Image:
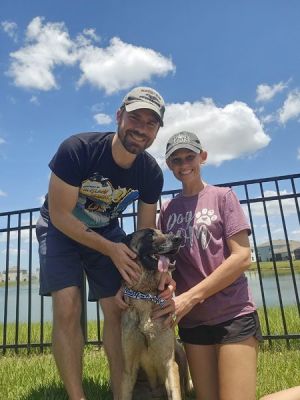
(147, 343)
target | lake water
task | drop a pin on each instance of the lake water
(269, 286)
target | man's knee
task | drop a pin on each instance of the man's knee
(111, 311)
(67, 306)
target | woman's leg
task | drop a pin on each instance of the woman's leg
(288, 394)
(237, 364)
(202, 360)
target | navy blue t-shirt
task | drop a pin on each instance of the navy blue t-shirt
(105, 189)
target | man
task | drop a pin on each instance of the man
(94, 178)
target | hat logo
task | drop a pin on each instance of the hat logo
(152, 99)
(181, 139)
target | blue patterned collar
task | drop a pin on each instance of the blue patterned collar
(134, 294)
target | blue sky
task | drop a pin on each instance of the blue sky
(228, 70)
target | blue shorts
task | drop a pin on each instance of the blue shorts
(63, 262)
(232, 331)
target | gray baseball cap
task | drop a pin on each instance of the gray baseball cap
(183, 140)
(145, 97)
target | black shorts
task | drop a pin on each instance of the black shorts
(232, 331)
(63, 261)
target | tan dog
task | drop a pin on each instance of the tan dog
(148, 343)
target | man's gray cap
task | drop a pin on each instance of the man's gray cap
(145, 97)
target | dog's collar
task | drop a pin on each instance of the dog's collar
(134, 294)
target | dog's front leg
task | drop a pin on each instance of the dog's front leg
(173, 381)
(132, 344)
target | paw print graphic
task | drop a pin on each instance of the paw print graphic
(205, 216)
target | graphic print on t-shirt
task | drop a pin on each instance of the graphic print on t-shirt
(99, 202)
(193, 226)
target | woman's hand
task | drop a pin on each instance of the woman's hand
(166, 286)
(174, 309)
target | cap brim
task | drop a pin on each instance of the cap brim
(137, 105)
(182, 146)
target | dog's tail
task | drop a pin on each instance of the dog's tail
(186, 383)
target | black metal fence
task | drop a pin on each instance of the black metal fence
(272, 206)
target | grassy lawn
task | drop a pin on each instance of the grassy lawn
(34, 376)
(282, 266)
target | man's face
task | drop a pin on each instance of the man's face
(137, 129)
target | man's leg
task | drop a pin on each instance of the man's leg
(112, 342)
(237, 369)
(67, 339)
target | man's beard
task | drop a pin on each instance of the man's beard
(130, 144)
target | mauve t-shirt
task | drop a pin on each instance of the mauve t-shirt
(204, 222)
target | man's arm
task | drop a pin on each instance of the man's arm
(62, 199)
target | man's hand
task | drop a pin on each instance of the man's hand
(119, 299)
(123, 258)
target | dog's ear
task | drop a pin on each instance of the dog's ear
(127, 239)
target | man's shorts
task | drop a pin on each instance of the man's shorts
(232, 331)
(63, 262)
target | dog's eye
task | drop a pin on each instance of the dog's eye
(149, 236)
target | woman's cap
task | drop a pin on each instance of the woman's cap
(145, 97)
(183, 140)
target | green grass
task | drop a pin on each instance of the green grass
(282, 266)
(34, 376)
(275, 320)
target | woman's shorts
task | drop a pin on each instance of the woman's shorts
(232, 331)
(63, 262)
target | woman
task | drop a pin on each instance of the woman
(287, 394)
(213, 307)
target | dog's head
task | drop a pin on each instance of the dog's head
(152, 246)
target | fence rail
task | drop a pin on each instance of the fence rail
(272, 207)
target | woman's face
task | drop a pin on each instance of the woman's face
(185, 164)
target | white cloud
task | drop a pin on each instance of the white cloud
(46, 47)
(116, 67)
(2, 141)
(41, 199)
(288, 205)
(92, 34)
(10, 28)
(267, 119)
(24, 236)
(296, 233)
(102, 119)
(120, 65)
(226, 133)
(291, 107)
(266, 92)
(2, 194)
(14, 251)
(34, 100)
(298, 154)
